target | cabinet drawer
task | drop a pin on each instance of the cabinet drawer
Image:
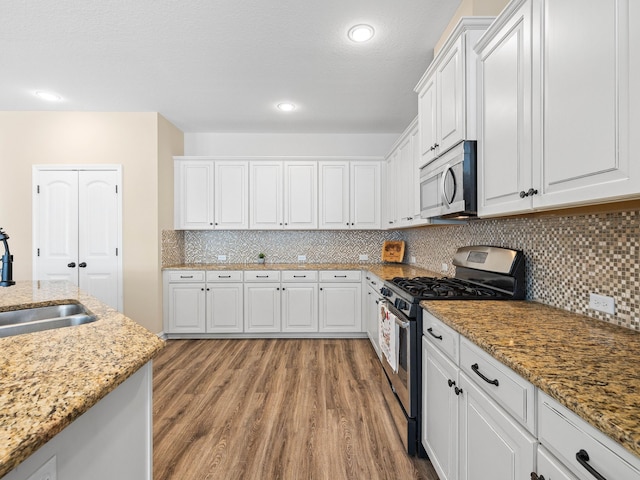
(446, 339)
(262, 276)
(340, 276)
(510, 390)
(224, 276)
(565, 434)
(299, 276)
(186, 276)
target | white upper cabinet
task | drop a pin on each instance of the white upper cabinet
(193, 191)
(402, 181)
(504, 124)
(231, 195)
(447, 91)
(350, 195)
(365, 195)
(300, 195)
(266, 195)
(334, 195)
(556, 127)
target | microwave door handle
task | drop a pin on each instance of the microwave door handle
(443, 181)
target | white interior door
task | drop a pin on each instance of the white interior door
(77, 230)
(98, 235)
(56, 222)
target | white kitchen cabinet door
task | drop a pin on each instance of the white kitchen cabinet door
(300, 195)
(225, 308)
(450, 84)
(440, 407)
(492, 444)
(194, 195)
(187, 305)
(265, 198)
(406, 181)
(585, 123)
(505, 128)
(390, 191)
(262, 307)
(231, 195)
(334, 187)
(340, 307)
(77, 230)
(365, 194)
(299, 307)
(427, 120)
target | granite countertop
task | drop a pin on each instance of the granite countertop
(385, 271)
(50, 378)
(588, 365)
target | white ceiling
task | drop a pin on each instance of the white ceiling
(222, 65)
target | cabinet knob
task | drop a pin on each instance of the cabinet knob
(451, 383)
(202, 289)
(535, 476)
(71, 265)
(211, 224)
(458, 390)
(347, 223)
(83, 265)
(436, 145)
(353, 224)
(523, 194)
(286, 223)
(532, 191)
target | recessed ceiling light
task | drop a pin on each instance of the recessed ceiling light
(286, 107)
(48, 96)
(361, 33)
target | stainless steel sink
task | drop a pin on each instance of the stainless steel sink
(29, 320)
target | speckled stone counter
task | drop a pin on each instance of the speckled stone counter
(50, 378)
(588, 365)
(385, 271)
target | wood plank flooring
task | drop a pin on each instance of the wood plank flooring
(274, 409)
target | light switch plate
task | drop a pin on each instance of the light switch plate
(602, 303)
(222, 258)
(302, 258)
(363, 257)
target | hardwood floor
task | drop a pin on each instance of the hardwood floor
(274, 409)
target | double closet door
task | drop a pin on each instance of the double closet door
(77, 230)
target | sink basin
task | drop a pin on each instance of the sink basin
(29, 320)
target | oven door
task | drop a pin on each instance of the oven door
(401, 379)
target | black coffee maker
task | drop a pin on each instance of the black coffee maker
(7, 262)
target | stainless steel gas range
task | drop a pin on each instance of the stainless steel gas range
(482, 273)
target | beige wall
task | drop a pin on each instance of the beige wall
(140, 142)
(471, 8)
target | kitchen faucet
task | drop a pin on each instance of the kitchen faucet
(7, 260)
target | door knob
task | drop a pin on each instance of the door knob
(71, 265)
(82, 265)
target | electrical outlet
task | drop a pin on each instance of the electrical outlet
(302, 258)
(602, 303)
(412, 260)
(363, 257)
(222, 258)
(444, 268)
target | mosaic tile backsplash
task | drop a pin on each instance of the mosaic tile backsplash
(567, 256)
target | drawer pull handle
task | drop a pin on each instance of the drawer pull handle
(339, 276)
(186, 276)
(262, 276)
(224, 276)
(430, 330)
(299, 276)
(583, 458)
(476, 369)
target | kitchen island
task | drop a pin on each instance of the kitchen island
(586, 365)
(51, 378)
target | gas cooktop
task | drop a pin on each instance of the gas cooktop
(426, 288)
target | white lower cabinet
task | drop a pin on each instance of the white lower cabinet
(340, 301)
(467, 433)
(262, 307)
(440, 411)
(187, 308)
(224, 308)
(550, 468)
(299, 307)
(583, 450)
(492, 444)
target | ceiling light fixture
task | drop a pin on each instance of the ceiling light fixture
(286, 107)
(48, 96)
(361, 33)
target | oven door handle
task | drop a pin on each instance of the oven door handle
(402, 324)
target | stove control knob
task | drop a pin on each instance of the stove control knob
(401, 304)
(385, 291)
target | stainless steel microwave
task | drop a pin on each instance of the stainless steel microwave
(448, 184)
